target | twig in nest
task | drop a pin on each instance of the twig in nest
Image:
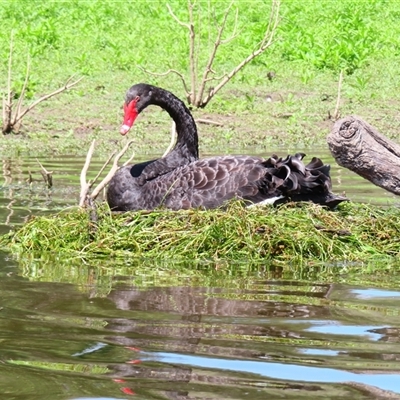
(173, 140)
(85, 197)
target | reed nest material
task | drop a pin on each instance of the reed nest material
(294, 232)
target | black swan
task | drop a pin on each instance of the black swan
(181, 181)
(186, 148)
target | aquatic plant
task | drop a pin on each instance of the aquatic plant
(292, 232)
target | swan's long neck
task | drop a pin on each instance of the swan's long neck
(187, 138)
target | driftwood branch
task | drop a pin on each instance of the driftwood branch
(103, 168)
(358, 146)
(115, 167)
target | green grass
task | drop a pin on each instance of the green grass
(299, 233)
(107, 42)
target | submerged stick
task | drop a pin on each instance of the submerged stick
(47, 175)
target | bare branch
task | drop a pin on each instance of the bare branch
(12, 121)
(22, 94)
(47, 175)
(9, 71)
(112, 172)
(48, 96)
(84, 184)
(7, 105)
(215, 78)
(234, 34)
(129, 160)
(208, 122)
(5, 123)
(91, 183)
(336, 113)
(196, 96)
(191, 95)
(273, 22)
(17, 124)
(177, 19)
(265, 43)
(211, 59)
(192, 51)
(170, 71)
(173, 139)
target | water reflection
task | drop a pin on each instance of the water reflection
(105, 330)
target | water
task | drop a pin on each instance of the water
(108, 330)
(73, 330)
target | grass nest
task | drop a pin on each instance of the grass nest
(294, 232)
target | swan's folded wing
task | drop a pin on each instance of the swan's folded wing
(210, 182)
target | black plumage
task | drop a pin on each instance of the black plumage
(182, 181)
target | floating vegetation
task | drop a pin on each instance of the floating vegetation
(289, 233)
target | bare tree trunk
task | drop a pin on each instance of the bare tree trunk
(358, 146)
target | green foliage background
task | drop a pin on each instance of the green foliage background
(97, 38)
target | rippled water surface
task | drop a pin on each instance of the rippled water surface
(102, 330)
(70, 330)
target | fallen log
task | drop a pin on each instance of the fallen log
(358, 146)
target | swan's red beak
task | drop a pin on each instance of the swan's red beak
(130, 114)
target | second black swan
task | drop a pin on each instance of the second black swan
(182, 181)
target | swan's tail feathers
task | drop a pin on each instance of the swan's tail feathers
(297, 181)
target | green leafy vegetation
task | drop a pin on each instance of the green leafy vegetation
(293, 232)
(111, 43)
(343, 35)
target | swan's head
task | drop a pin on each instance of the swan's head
(138, 97)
